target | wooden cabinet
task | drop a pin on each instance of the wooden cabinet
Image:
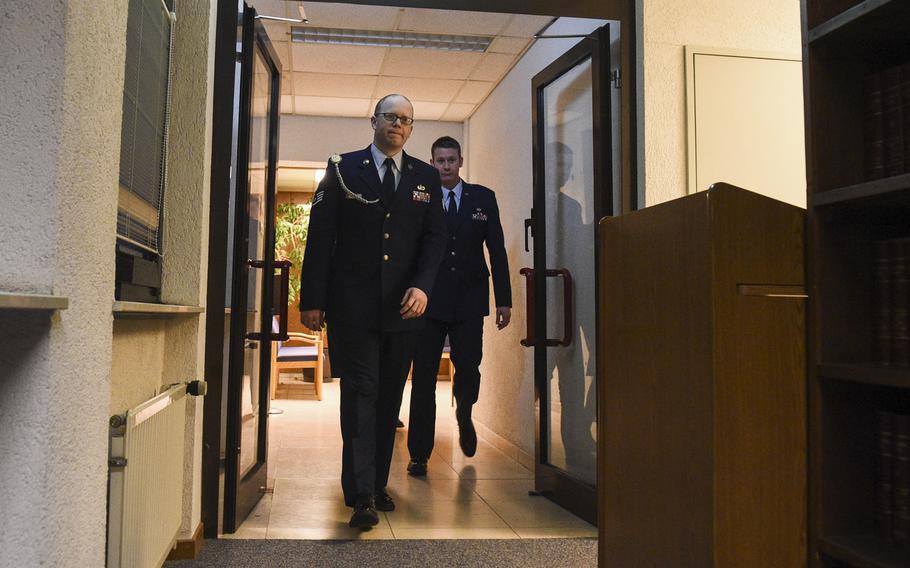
(852, 50)
(702, 408)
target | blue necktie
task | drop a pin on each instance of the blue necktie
(451, 211)
(388, 181)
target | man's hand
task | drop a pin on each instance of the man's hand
(503, 316)
(413, 304)
(312, 319)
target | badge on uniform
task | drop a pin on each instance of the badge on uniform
(421, 195)
(479, 215)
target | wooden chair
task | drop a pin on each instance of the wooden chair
(301, 351)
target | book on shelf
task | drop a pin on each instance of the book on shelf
(884, 470)
(881, 297)
(886, 122)
(873, 128)
(900, 319)
(892, 122)
(901, 481)
(891, 303)
(905, 112)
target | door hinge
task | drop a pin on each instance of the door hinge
(616, 78)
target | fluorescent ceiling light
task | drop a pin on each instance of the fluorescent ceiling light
(374, 38)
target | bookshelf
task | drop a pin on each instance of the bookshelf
(856, 61)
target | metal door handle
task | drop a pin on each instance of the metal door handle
(568, 305)
(284, 289)
(529, 227)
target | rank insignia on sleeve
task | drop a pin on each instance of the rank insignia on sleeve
(421, 196)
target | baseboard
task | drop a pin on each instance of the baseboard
(510, 449)
(188, 549)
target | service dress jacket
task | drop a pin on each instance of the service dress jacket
(462, 288)
(363, 250)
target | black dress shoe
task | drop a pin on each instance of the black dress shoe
(417, 467)
(365, 515)
(467, 435)
(384, 501)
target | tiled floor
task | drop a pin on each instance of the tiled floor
(481, 497)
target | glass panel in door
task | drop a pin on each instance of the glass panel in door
(570, 223)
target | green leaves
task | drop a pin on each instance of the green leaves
(291, 224)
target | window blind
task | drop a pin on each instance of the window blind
(143, 138)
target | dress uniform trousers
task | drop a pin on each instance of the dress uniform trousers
(466, 343)
(373, 366)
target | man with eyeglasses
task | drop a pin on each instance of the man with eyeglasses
(376, 238)
(460, 302)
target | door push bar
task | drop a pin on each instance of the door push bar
(279, 301)
(567, 305)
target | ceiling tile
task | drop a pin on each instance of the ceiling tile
(458, 112)
(351, 16)
(493, 67)
(429, 63)
(345, 59)
(474, 91)
(513, 45)
(332, 85)
(433, 90)
(425, 110)
(452, 22)
(526, 26)
(330, 106)
(287, 104)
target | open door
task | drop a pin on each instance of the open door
(573, 189)
(248, 322)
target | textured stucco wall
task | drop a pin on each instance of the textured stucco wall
(669, 26)
(151, 353)
(499, 149)
(30, 40)
(56, 369)
(315, 138)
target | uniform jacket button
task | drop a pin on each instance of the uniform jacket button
(452, 269)
(385, 257)
(386, 235)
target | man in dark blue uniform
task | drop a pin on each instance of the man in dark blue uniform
(376, 238)
(460, 301)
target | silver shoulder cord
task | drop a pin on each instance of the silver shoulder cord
(348, 194)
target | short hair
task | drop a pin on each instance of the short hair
(387, 97)
(445, 142)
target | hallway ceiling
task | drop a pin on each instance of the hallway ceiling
(347, 80)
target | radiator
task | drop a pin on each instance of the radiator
(145, 495)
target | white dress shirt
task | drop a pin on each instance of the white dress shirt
(379, 162)
(445, 196)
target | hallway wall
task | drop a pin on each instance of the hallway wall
(59, 156)
(668, 27)
(315, 138)
(499, 151)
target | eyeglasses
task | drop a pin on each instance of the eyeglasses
(391, 117)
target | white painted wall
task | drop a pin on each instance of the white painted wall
(315, 138)
(59, 154)
(670, 25)
(499, 151)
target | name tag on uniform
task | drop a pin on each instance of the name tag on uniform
(420, 195)
(479, 215)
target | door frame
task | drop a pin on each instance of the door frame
(227, 30)
(251, 487)
(233, 29)
(573, 494)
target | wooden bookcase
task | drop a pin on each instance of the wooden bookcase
(844, 41)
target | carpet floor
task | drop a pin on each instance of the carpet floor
(542, 553)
